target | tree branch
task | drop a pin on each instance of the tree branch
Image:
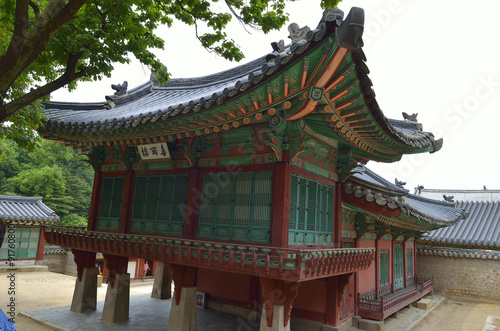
(35, 8)
(25, 47)
(68, 76)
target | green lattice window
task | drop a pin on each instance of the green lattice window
(159, 204)
(311, 212)
(384, 268)
(409, 263)
(25, 241)
(111, 203)
(236, 206)
(398, 267)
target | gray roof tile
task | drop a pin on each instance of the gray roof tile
(25, 209)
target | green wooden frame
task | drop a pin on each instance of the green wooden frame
(398, 267)
(311, 212)
(159, 204)
(110, 203)
(384, 268)
(26, 243)
(236, 206)
(409, 263)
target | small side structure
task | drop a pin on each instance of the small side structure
(465, 258)
(23, 217)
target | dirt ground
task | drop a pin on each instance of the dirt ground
(39, 290)
(458, 315)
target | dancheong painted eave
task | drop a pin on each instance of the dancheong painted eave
(424, 213)
(320, 79)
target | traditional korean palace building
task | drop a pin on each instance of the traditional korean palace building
(22, 217)
(251, 185)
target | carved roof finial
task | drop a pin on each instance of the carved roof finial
(121, 89)
(448, 198)
(410, 118)
(418, 189)
(296, 33)
(399, 183)
(278, 46)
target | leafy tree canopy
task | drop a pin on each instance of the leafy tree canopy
(54, 172)
(48, 44)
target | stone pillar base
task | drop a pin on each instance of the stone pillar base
(278, 320)
(183, 315)
(162, 286)
(116, 304)
(85, 294)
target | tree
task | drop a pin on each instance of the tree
(55, 172)
(48, 44)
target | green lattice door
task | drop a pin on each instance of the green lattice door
(159, 204)
(236, 206)
(111, 203)
(311, 212)
(398, 267)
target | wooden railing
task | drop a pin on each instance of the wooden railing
(379, 309)
(280, 263)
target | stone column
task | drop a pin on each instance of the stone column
(278, 322)
(85, 294)
(183, 314)
(162, 286)
(116, 304)
(183, 310)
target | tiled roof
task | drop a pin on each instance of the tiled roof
(25, 210)
(152, 102)
(372, 187)
(481, 228)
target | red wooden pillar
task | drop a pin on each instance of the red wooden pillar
(127, 202)
(337, 216)
(278, 292)
(183, 276)
(41, 246)
(377, 268)
(193, 200)
(335, 288)
(94, 202)
(116, 265)
(83, 259)
(280, 204)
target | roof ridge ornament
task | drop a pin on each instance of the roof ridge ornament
(448, 198)
(297, 33)
(399, 183)
(410, 118)
(121, 89)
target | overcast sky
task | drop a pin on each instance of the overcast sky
(439, 59)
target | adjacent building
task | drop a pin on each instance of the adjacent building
(465, 258)
(251, 186)
(23, 217)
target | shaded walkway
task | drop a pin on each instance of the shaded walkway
(145, 314)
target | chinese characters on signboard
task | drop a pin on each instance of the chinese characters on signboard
(154, 151)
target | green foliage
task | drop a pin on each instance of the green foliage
(54, 172)
(72, 220)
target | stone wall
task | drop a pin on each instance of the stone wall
(60, 261)
(461, 272)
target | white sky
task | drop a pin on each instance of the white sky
(439, 59)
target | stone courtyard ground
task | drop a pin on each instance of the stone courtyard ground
(40, 290)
